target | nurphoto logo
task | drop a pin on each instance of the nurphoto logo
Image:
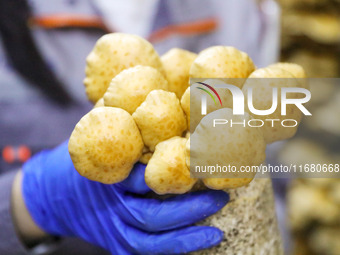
(239, 100)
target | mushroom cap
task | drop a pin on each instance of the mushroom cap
(160, 117)
(167, 172)
(263, 99)
(177, 63)
(113, 53)
(185, 103)
(225, 145)
(105, 144)
(130, 87)
(296, 70)
(222, 62)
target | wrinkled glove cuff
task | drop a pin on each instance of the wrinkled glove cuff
(37, 193)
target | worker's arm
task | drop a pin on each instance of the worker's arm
(27, 230)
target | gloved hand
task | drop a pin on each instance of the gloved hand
(116, 217)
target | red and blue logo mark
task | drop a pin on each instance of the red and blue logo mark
(209, 93)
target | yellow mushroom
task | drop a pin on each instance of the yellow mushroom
(113, 53)
(225, 145)
(185, 103)
(296, 70)
(130, 87)
(222, 62)
(228, 64)
(125, 72)
(166, 172)
(177, 63)
(105, 144)
(262, 81)
(160, 117)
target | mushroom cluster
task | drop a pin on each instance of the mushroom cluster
(145, 110)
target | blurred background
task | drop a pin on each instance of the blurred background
(310, 36)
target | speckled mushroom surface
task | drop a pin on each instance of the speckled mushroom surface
(222, 62)
(177, 64)
(185, 103)
(167, 172)
(130, 87)
(105, 144)
(160, 117)
(113, 53)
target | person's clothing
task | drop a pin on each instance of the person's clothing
(9, 241)
(66, 31)
(10, 244)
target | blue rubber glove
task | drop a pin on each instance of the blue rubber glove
(116, 217)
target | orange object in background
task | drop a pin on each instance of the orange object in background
(8, 154)
(68, 20)
(191, 28)
(12, 154)
(23, 153)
